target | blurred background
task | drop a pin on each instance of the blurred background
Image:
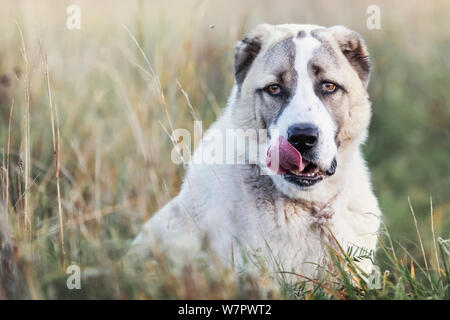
(134, 71)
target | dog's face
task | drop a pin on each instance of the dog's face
(307, 86)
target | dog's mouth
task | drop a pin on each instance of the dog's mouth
(310, 170)
(311, 174)
(287, 161)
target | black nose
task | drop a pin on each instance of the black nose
(303, 136)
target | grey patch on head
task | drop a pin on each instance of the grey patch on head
(281, 52)
(301, 34)
(323, 57)
(325, 48)
(280, 61)
(325, 52)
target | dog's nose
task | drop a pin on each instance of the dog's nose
(303, 136)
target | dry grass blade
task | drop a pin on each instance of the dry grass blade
(8, 150)
(188, 101)
(58, 189)
(26, 137)
(434, 235)
(420, 241)
(163, 99)
(56, 150)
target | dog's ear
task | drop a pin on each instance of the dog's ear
(246, 51)
(354, 49)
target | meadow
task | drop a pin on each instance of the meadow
(85, 118)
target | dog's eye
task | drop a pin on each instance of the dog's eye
(274, 89)
(328, 87)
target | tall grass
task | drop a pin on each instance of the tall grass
(85, 153)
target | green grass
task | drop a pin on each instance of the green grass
(112, 105)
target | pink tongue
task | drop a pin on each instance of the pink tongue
(289, 157)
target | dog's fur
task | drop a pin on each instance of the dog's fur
(236, 206)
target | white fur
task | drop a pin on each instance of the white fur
(215, 200)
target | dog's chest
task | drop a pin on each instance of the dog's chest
(293, 235)
(299, 233)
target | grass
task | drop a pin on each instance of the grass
(85, 154)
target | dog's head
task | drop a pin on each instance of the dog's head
(306, 85)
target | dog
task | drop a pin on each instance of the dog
(309, 187)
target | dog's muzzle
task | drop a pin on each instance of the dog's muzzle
(291, 157)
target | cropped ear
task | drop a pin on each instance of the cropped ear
(354, 49)
(246, 51)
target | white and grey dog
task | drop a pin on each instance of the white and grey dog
(306, 86)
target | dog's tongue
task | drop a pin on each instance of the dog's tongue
(288, 157)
